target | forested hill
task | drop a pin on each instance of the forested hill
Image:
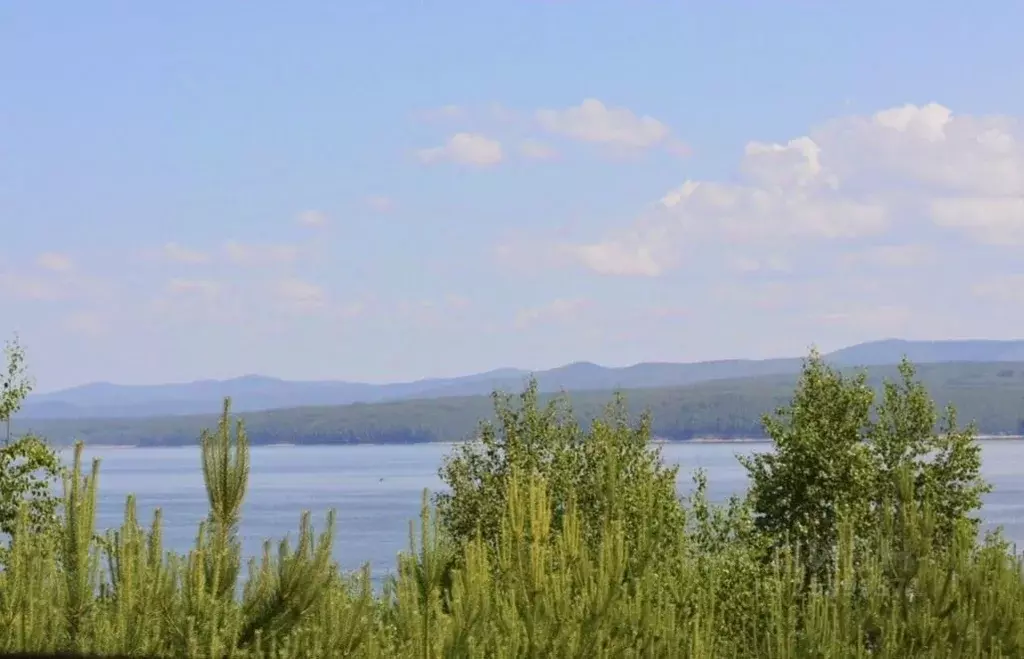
(254, 393)
(991, 394)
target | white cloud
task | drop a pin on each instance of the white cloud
(991, 220)
(615, 258)
(929, 146)
(559, 310)
(179, 254)
(592, 121)
(55, 262)
(794, 164)
(300, 295)
(380, 203)
(852, 178)
(465, 148)
(243, 254)
(313, 218)
(537, 150)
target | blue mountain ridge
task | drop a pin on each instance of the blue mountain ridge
(256, 392)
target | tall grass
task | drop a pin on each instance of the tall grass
(543, 591)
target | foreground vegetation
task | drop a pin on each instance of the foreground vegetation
(987, 393)
(858, 537)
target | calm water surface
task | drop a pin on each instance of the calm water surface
(377, 490)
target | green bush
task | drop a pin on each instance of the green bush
(833, 455)
(610, 472)
(29, 466)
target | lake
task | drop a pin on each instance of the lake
(376, 490)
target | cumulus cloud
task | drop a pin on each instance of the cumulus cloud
(593, 121)
(465, 148)
(622, 258)
(848, 179)
(256, 255)
(55, 262)
(991, 220)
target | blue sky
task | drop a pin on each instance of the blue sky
(386, 191)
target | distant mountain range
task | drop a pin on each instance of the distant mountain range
(254, 392)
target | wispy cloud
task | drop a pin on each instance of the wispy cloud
(593, 121)
(465, 148)
(300, 295)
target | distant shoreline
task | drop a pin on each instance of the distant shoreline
(658, 441)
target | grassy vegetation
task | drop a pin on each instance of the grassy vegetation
(990, 394)
(858, 538)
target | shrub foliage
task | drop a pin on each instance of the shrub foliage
(858, 538)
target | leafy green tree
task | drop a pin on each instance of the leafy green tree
(29, 467)
(15, 384)
(609, 472)
(29, 470)
(838, 455)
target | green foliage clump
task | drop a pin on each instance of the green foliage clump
(611, 471)
(834, 458)
(560, 542)
(15, 384)
(28, 465)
